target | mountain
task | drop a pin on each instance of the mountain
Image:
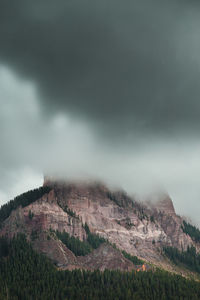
(89, 226)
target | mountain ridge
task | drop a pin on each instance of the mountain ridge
(140, 229)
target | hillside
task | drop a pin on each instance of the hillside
(89, 226)
(25, 275)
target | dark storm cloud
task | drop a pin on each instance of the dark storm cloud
(123, 64)
(74, 71)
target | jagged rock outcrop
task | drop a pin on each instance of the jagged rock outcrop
(163, 211)
(134, 227)
(162, 202)
(139, 229)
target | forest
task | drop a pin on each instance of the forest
(189, 258)
(22, 200)
(27, 275)
(78, 247)
(192, 231)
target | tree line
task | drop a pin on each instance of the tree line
(27, 275)
(22, 200)
(189, 258)
(192, 231)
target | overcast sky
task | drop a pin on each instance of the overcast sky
(101, 89)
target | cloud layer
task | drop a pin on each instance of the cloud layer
(123, 66)
(101, 89)
(33, 144)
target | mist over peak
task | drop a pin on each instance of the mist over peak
(101, 89)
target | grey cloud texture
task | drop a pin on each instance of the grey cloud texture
(101, 89)
(122, 65)
(32, 144)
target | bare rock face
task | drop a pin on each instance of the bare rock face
(135, 228)
(172, 226)
(54, 249)
(161, 202)
(106, 257)
(166, 205)
(41, 216)
(164, 212)
(139, 229)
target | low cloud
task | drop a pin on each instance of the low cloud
(33, 143)
(128, 68)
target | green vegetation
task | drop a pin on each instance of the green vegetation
(27, 275)
(34, 235)
(87, 229)
(120, 198)
(152, 219)
(30, 215)
(192, 231)
(134, 259)
(24, 200)
(79, 248)
(82, 248)
(190, 258)
(113, 197)
(94, 239)
(3, 247)
(69, 211)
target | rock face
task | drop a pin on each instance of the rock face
(46, 215)
(106, 257)
(133, 227)
(54, 249)
(139, 229)
(162, 203)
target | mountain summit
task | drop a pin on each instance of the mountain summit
(89, 226)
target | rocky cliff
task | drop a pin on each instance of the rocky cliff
(139, 229)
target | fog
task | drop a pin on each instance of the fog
(105, 90)
(33, 144)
